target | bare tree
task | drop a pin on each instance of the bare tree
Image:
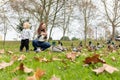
(90, 32)
(87, 9)
(68, 11)
(4, 24)
(112, 10)
(39, 9)
(106, 29)
(58, 5)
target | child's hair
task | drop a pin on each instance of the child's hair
(26, 25)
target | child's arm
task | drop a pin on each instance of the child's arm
(30, 34)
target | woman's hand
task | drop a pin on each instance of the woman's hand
(44, 33)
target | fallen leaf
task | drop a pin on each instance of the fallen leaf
(54, 78)
(23, 68)
(109, 68)
(2, 51)
(14, 58)
(71, 56)
(27, 70)
(94, 59)
(22, 57)
(99, 70)
(113, 58)
(41, 59)
(37, 75)
(4, 64)
(56, 59)
(10, 52)
(105, 67)
(85, 65)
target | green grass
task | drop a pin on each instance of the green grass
(65, 70)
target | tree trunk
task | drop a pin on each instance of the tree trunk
(55, 15)
(85, 33)
(113, 31)
(4, 39)
(50, 32)
(47, 13)
(85, 28)
(63, 33)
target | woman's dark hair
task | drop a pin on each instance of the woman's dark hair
(40, 28)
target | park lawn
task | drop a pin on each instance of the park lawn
(63, 69)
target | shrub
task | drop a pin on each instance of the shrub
(66, 38)
(74, 38)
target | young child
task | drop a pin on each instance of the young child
(25, 36)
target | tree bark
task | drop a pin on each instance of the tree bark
(113, 31)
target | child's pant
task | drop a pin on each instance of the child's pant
(24, 43)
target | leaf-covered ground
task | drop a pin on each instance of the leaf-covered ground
(57, 64)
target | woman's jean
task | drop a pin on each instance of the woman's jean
(42, 45)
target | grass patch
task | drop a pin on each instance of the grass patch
(65, 69)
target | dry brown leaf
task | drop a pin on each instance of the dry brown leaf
(10, 52)
(85, 65)
(56, 59)
(99, 70)
(4, 64)
(93, 59)
(22, 57)
(37, 75)
(27, 70)
(54, 78)
(43, 60)
(71, 56)
(23, 68)
(113, 58)
(14, 58)
(2, 51)
(107, 68)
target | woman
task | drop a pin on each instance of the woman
(40, 43)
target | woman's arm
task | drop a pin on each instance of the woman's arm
(44, 32)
